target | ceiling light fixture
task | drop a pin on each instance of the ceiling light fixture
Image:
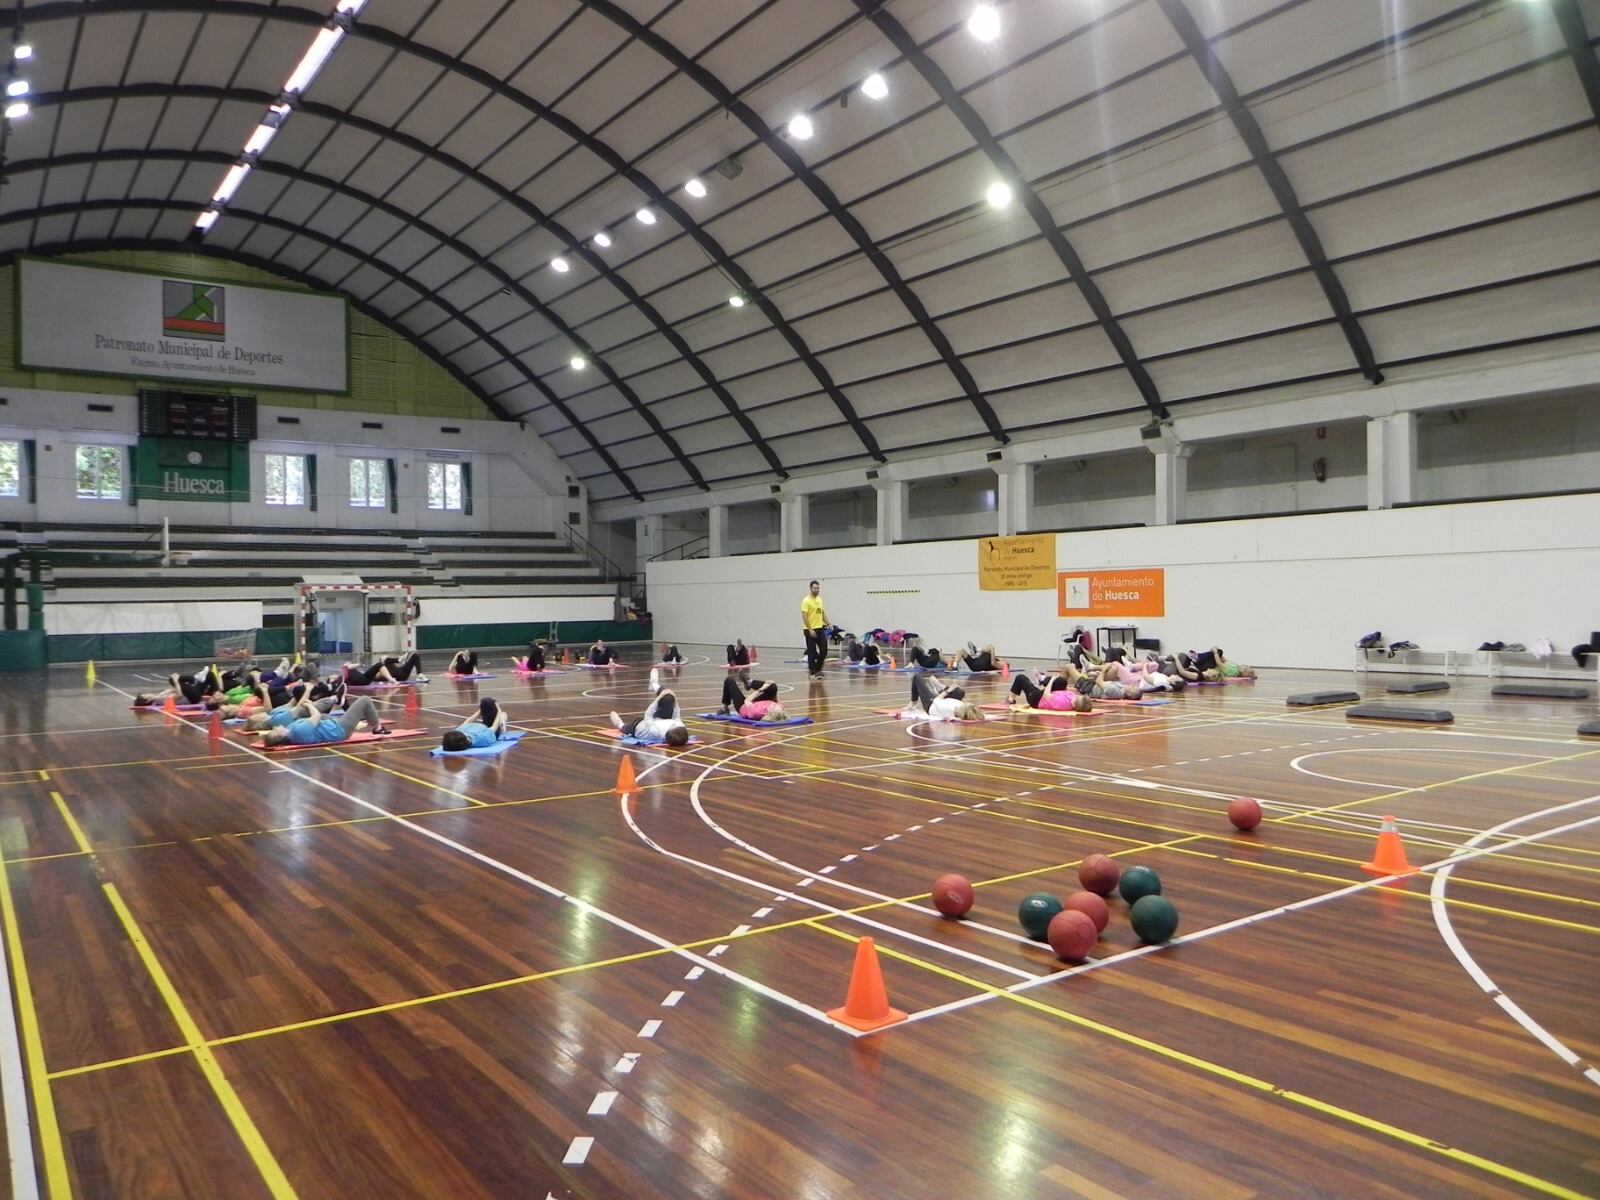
(560, 265)
(579, 362)
(17, 108)
(17, 87)
(800, 127)
(873, 87)
(230, 183)
(260, 139)
(21, 51)
(999, 194)
(206, 219)
(602, 239)
(322, 46)
(645, 216)
(696, 189)
(736, 301)
(984, 23)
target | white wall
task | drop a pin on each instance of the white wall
(503, 610)
(155, 617)
(752, 528)
(1288, 591)
(963, 505)
(517, 483)
(848, 518)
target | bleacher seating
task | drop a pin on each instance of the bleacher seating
(248, 563)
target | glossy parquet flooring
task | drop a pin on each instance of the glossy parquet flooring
(367, 973)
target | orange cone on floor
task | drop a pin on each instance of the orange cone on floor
(215, 731)
(625, 779)
(413, 701)
(1390, 856)
(566, 658)
(755, 656)
(1005, 670)
(170, 705)
(866, 1004)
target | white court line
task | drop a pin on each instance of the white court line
(578, 1152)
(1441, 918)
(601, 1104)
(649, 1029)
(1295, 763)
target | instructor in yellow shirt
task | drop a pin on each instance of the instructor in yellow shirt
(814, 623)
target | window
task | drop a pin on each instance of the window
(369, 483)
(286, 479)
(10, 469)
(444, 486)
(99, 472)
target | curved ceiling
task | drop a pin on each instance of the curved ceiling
(1213, 201)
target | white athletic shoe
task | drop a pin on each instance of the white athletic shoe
(655, 679)
(420, 678)
(616, 719)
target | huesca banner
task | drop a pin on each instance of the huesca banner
(1139, 592)
(103, 321)
(1026, 563)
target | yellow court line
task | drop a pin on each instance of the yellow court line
(72, 824)
(271, 1173)
(1371, 1124)
(437, 787)
(58, 1180)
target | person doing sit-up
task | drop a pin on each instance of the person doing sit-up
(980, 660)
(928, 659)
(738, 653)
(753, 699)
(482, 729)
(312, 727)
(602, 655)
(942, 701)
(659, 723)
(388, 670)
(1053, 693)
(864, 652)
(464, 662)
(670, 655)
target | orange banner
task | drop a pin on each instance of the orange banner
(1141, 592)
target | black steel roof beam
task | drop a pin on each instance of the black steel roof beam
(1249, 131)
(1576, 34)
(825, 196)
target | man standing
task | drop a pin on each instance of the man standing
(814, 623)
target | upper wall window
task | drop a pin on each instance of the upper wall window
(100, 472)
(445, 490)
(10, 469)
(369, 483)
(285, 476)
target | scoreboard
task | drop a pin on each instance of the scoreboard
(200, 416)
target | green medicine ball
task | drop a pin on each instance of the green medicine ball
(1153, 918)
(1035, 913)
(1138, 882)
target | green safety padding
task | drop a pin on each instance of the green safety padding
(23, 650)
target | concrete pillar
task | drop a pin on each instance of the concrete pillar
(893, 500)
(1014, 497)
(792, 523)
(717, 530)
(1391, 460)
(1172, 483)
(647, 537)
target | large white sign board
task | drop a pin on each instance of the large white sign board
(112, 322)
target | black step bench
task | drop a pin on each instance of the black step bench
(1420, 685)
(1550, 691)
(1306, 699)
(1397, 712)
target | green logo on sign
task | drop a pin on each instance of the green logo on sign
(193, 310)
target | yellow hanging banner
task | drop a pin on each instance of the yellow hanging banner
(1024, 563)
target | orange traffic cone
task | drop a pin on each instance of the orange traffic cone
(755, 657)
(170, 705)
(866, 1004)
(625, 779)
(566, 658)
(215, 732)
(1390, 856)
(413, 702)
(1005, 670)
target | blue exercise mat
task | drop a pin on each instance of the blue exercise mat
(466, 678)
(507, 740)
(736, 719)
(636, 744)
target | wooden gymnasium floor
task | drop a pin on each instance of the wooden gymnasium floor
(375, 974)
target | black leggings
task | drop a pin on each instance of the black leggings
(927, 658)
(535, 658)
(738, 656)
(865, 652)
(982, 661)
(1021, 685)
(465, 663)
(923, 693)
(733, 693)
(601, 658)
(402, 668)
(671, 655)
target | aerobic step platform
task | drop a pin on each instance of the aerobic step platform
(1305, 699)
(1399, 712)
(1421, 685)
(1590, 728)
(1550, 691)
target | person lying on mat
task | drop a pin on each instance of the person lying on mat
(942, 701)
(310, 726)
(1207, 663)
(864, 652)
(738, 654)
(660, 722)
(601, 655)
(281, 716)
(1053, 693)
(480, 730)
(1142, 675)
(533, 661)
(928, 658)
(753, 699)
(387, 670)
(463, 662)
(980, 660)
(669, 654)
(192, 689)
